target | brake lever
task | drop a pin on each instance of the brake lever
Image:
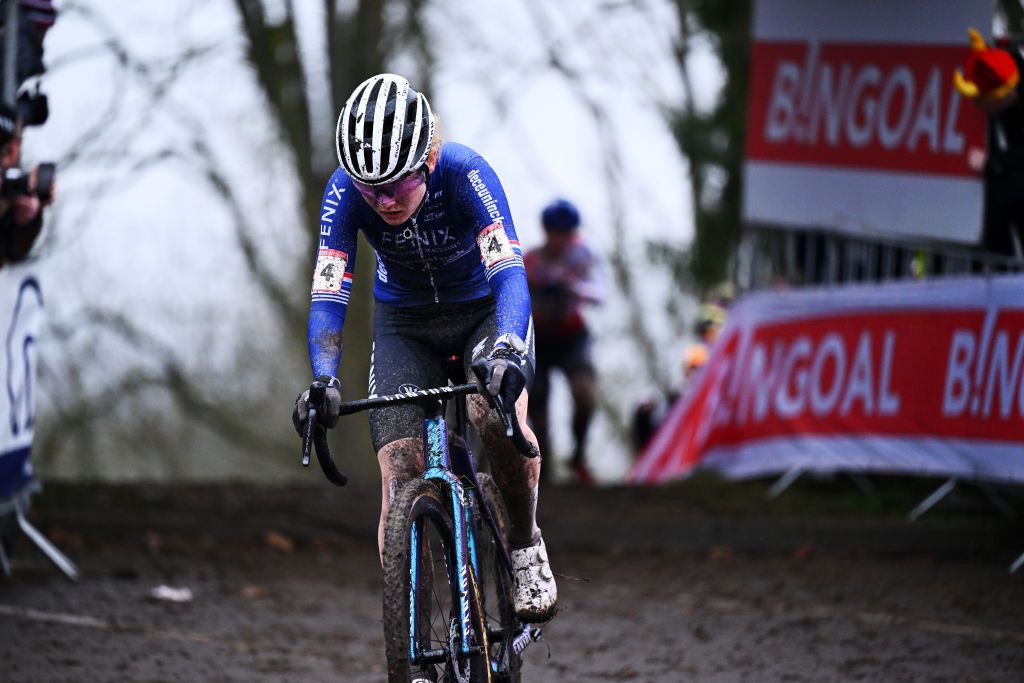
(317, 394)
(509, 419)
(307, 437)
(506, 419)
(514, 430)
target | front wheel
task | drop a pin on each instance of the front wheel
(420, 565)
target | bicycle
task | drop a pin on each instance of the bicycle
(460, 618)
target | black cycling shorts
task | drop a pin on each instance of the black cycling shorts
(411, 347)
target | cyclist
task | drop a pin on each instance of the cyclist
(449, 281)
(562, 277)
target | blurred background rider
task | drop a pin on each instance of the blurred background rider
(650, 412)
(562, 278)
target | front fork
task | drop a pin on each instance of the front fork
(437, 469)
(458, 573)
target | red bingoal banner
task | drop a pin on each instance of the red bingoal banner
(853, 123)
(910, 378)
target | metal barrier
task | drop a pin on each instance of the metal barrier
(781, 257)
(773, 257)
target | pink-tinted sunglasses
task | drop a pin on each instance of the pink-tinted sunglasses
(394, 190)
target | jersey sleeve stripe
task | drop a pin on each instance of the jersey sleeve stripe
(504, 264)
(332, 298)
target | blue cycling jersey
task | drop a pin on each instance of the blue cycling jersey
(460, 245)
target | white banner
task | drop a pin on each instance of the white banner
(853, 123)
(21, 306)
(911, 378)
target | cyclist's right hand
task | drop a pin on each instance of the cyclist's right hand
(501, 375)
(330, 411)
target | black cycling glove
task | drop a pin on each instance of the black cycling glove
(501, 374)
(328, 413)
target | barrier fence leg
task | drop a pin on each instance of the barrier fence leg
(863, 483)
(998, 501)
(49, 549)
(784, 482)
(930, 502)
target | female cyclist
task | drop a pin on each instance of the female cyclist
(449, 281)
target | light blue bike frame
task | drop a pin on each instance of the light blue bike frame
(438, 468)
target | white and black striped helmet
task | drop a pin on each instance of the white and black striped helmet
(384, 130)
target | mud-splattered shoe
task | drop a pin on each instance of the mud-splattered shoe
(536, 593)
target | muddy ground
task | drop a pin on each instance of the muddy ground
(699, 582)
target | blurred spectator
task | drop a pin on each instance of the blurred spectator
(694, 358)
(710, 320)
(991, 79)
(22, 196)
(562, 277)
(649, 414)
(646, 418)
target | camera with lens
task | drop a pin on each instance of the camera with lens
(16, 182)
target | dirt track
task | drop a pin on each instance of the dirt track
(653, 588)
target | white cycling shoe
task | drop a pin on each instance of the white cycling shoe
(535, 592)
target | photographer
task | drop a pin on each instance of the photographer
(22, 195)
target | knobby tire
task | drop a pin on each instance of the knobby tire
(438, 595)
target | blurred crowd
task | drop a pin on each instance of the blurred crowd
(650, 413)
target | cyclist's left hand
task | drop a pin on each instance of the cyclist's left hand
(501, 374)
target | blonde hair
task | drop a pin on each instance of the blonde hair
(435, 143)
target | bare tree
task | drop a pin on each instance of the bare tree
(301, 89)
(358, 40)
(711, 141)
(576, 43)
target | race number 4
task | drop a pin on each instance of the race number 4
(330, 270)
(494, 244)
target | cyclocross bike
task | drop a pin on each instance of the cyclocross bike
(448, 610)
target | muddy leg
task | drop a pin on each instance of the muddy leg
(400, 461)
(516, 475)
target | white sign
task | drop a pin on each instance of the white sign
(21, 305)
(853, 123)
